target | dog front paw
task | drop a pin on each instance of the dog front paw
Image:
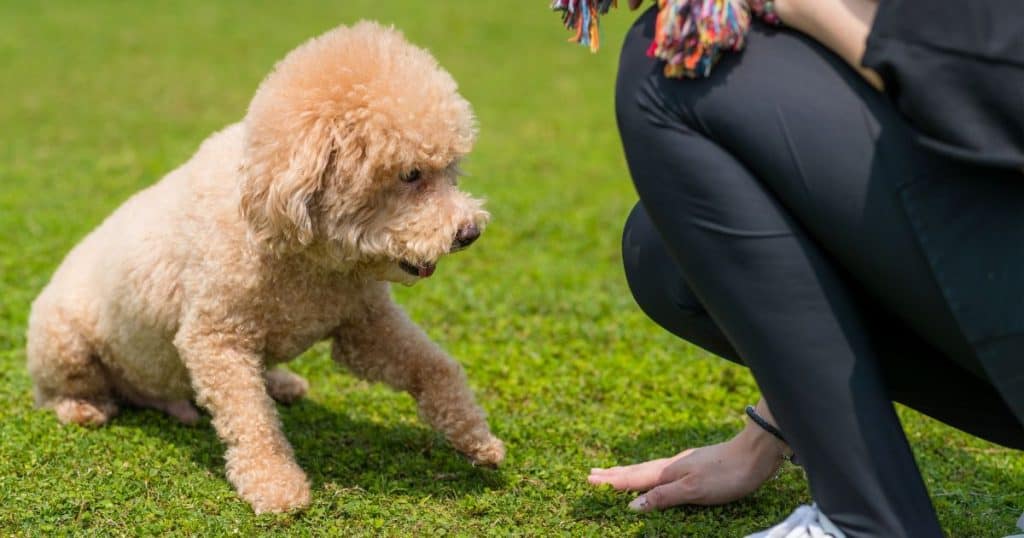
(489, 453)
(270, 486)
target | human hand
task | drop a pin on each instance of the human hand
(710, 475)
(841, 25)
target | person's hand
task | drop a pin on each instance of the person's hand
(710, 475)
(841, 25)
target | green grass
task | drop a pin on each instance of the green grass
(98, 99)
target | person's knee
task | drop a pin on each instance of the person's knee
(636, 234)
(651, 273)
(660, 291)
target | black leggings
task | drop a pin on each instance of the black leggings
(770, 233)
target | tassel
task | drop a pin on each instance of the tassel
(690, 35)
(581, 17)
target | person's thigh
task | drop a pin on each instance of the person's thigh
(835, 153)
(915, 374)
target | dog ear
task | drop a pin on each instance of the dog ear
(279, 181)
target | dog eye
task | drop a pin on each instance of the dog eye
(411, 176)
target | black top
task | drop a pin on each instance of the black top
(955, 69)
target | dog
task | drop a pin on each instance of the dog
(282, 230)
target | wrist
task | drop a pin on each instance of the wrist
(760, 454)
(761, 445)
(791, 12)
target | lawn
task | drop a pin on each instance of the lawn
(99, 99)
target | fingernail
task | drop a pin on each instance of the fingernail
(639, 504)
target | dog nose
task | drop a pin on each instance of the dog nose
(465, 237)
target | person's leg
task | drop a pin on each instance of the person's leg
(661, 291)
(779, 300)
(836, 155)
(915, 374)
(786, 310)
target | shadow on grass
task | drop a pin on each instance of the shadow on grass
(336, 450)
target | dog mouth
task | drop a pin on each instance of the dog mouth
(421, 271)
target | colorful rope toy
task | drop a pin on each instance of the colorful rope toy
(690, 35)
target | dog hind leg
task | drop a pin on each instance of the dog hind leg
(181, 410)
(284, 386)
(66, 370)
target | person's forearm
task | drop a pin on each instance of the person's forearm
(841, 25)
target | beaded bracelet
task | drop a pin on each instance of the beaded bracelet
(765, 9)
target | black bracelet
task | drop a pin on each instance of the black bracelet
(760, 421)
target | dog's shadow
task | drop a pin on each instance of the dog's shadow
(337, 451)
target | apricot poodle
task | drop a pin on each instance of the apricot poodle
(282, 230)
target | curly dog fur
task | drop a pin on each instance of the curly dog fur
(282, 230)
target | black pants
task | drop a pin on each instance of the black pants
(770, 233)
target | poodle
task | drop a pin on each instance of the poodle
(282, 230)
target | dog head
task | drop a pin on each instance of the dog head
(351, 154)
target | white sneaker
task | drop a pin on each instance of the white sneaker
(804, 522)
